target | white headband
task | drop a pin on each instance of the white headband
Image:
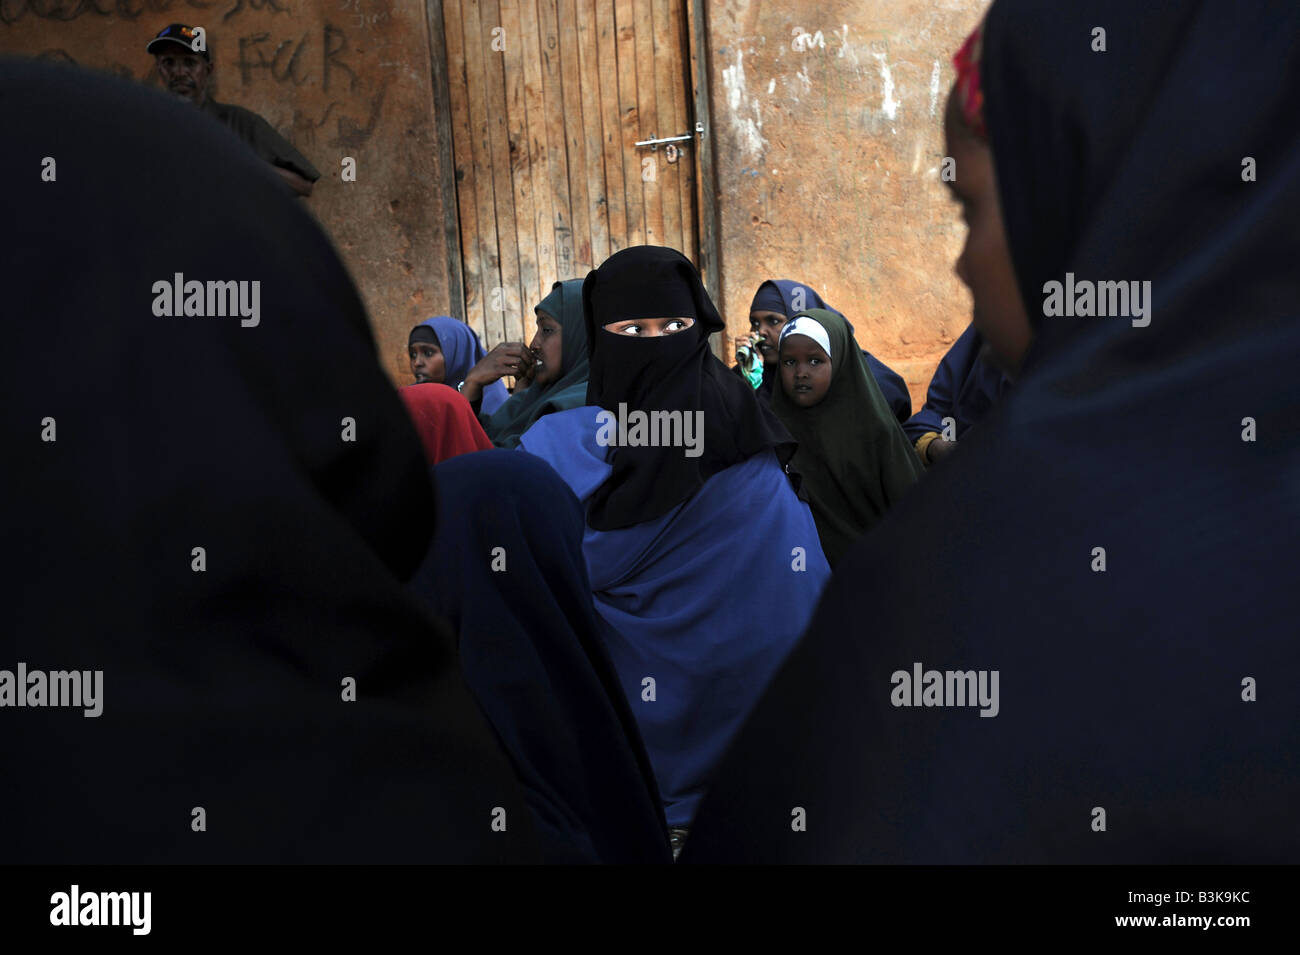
(803, 325)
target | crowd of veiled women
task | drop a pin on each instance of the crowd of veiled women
(571, 647)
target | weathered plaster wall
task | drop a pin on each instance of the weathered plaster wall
(828, 138)
(337, 78)
(825, 119)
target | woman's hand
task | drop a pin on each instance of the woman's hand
(508, 358)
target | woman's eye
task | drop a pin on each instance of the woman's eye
(632, 330)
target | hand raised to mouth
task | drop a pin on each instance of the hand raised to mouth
(527, 377)
(508, 358)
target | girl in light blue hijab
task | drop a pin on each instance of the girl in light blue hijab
(461, 351)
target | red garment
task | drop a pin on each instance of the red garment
(970, 89)
(444, 420)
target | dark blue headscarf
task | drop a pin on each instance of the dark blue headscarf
(291, 685)
(778, 295)
(461, 350)
(1160, 689)
(506, 569)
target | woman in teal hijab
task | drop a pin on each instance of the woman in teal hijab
(853, 456)
(560, 381)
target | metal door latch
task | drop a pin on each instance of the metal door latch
(672, 150)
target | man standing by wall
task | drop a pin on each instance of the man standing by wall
(185, 68)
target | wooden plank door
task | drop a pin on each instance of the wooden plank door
(548, 99)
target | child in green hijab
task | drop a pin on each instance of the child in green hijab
(560, 376)
(853, 456)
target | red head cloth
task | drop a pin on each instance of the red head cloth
(970, 91)
(445, 421)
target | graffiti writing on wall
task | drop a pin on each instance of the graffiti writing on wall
(321, 56)
(284, 61)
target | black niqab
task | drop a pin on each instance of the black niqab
(675, 372)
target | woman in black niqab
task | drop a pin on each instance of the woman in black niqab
(1115, 540)
(676, 372)
(667, 527)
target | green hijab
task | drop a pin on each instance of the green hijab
(524, 407)
(853, 456)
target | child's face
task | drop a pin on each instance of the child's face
(985, 262)
(427, 362)
(805, 370)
